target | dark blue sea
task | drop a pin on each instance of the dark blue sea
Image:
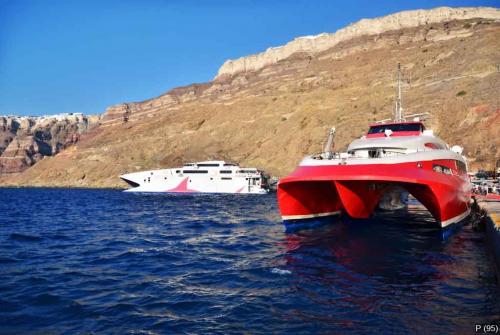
(107, 262)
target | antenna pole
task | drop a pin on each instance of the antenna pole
(328, 149)
(398, 108)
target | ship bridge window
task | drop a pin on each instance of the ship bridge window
(225, 171)
(230, 164)
(195, 171)
(396, 127)
(209, 165)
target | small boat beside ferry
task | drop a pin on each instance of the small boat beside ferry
(394, 158)
(199, 177)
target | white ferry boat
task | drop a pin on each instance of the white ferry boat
(199, 177)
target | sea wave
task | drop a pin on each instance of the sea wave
(130, 263)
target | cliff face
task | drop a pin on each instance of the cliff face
(314, 44)
(271, 116)
(26, 140)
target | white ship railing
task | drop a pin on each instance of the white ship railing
(379, 153)
(345, 155)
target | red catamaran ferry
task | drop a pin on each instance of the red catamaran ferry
(392, 159)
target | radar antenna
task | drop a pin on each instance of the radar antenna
(399, 115)
(398, 107)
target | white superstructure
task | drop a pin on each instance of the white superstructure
(199, 177)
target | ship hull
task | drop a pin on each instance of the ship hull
(313, 192)
(192, 181)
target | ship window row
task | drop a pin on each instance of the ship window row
(226, 178)
(247, 171)
(225, 171)
(194, 171)
(209, 165)
(441, 168)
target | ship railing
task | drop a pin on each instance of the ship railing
(372, 153)
(345, 155)
(326, 155)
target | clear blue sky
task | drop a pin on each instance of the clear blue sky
(82, 56)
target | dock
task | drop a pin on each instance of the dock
(492, 208)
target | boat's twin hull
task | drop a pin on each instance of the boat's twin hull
(318, 191)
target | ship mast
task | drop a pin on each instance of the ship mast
(398, 107)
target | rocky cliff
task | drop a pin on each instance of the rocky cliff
(271, 116)
(315, 44)
(26, 140)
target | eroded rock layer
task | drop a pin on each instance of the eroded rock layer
(26, 140)
(318, 43)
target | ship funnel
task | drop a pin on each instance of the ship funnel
(328, 149)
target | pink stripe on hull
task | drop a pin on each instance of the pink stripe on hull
(182, 187)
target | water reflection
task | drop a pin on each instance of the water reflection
(390, 267)
(393, 247)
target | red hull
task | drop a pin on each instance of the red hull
(315, 191)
